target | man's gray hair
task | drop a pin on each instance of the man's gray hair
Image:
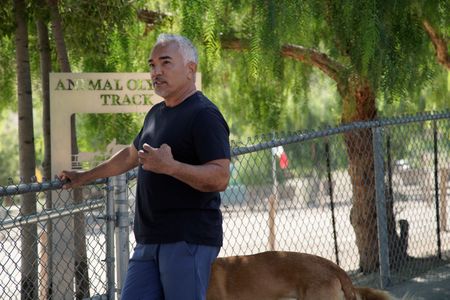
(187, 49)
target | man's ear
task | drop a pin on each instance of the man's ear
(192, 69)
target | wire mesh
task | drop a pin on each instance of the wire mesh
(309, 192)
(67, 242)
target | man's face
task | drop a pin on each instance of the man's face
(169, 73)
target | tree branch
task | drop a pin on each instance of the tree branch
(315, 58)
(439, 43)
(232, 43)
(151, 18)
(308, 56)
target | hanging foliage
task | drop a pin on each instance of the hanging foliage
(382, 42)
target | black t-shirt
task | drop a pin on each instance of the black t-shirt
(168, 210)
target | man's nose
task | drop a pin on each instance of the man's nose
(156, 70)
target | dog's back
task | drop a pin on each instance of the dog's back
(276, 275)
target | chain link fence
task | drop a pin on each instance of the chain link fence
(372, 197)
(53, 246)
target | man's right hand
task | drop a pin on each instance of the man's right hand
(72, 179)
(119, 163)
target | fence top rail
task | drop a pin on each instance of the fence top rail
(305, 136)
(56, 184)
(50, 214)
(35, 187)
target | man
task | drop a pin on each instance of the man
(183, 155)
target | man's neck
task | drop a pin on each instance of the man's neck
(180, 97)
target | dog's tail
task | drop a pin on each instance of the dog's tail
(365, 293)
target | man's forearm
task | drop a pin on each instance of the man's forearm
(210, 177)
(119, 163)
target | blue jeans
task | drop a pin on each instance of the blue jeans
(177, 271)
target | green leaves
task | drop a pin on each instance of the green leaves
(6, 20)
(8, 147)
(7, 74)
(259, 90)
(96, 131)
(255, 56)
(92, 27)
(211, 35)
(192, 13)
(382, 42)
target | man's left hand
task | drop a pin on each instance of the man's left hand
(157, 160)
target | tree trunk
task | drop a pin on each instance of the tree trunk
(359, 105)
(440, 44)
(363, 212)
(58, 33)
(45, 237)
(29, 255)
(81, 262)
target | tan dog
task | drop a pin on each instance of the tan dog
(284, 275)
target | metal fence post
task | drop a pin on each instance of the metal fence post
(273, 202)
(122, 230)
(389, 167)
(383, 242)
(330, 191)
(109, 218)
(436, 189)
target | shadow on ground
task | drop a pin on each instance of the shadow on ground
(433, 285)
(418, 278)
